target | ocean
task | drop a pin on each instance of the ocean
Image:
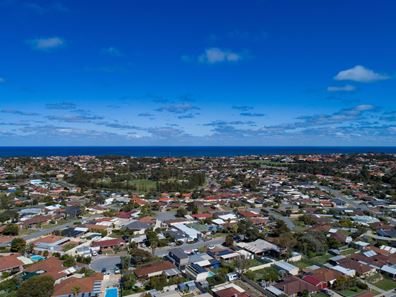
(185, 151)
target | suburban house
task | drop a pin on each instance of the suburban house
(50, 243)
(52, 267)
(153, 270)
(293, 286)
(87, 286)
(107, 244)
(11, 264)
(178, 257)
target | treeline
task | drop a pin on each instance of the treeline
(193, 181)
(160, 179)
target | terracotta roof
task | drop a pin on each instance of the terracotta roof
(312, 280)
(377, 260)
(157, 267)
(139, 201)
(36, 220)
(48, 239)
(10, 262)
(293, 285)
(108, 243)
(352, 264)
(147, 219)
(202, 216)
(325, 275)
(125, 214)
(95, 227)
(52, 266)
(6, 239)
(86, 285)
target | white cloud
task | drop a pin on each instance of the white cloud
(364, 107)
(360, 74)
(47, 44)
(112, 51)
(346, 88)
(216, 55)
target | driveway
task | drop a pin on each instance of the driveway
(105, 262)
(289, 223)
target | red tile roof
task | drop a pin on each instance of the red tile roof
(108, 243)
(48, 239)
(152, 268)
(10, 262)
(86, 285)
(52, 266)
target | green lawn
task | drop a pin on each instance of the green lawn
(350, 293)
(268, 273)
(143, 185)
(319, 260)
(386, 284)
(348, 251)
(254, 262)
(319, 294)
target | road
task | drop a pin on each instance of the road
(370, 234)
(189, 246)
(341, 196)
(289, 223)
(47, 231)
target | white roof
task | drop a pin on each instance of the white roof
(389, 269)
(274, 290)
(258, 246)
(370, 254)
(285, 266)
(218, 221)
(343, 270)
(229, 216)
(389, 249)
(190, 232)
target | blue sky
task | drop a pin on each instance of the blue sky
(265, 72)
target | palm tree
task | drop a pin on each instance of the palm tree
(76, 291)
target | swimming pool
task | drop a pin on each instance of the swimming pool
(211, 274)
(36, 258)
(111, 292)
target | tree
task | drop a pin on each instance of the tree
(270, 274)
(5, 201)
(29, 248)
(37, 286)
(76, 290)
(157, 282)
(11, 229)
(181, 212)
(18, 245)
(280, 228)
(125, 263)
(140, 256)
(229, 240)
(8, 215)
(152, 240)
(128, 281)
(69, 261)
